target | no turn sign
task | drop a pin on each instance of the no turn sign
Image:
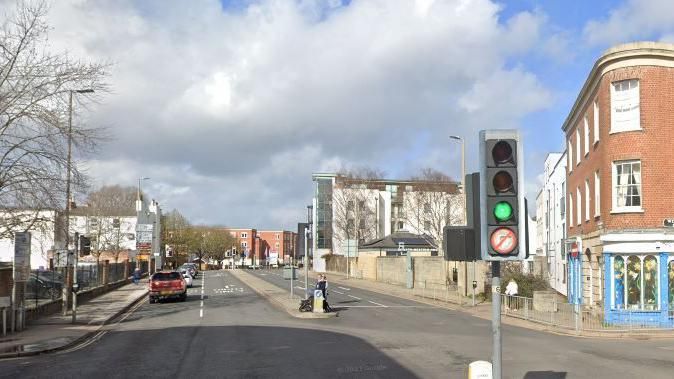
(503, 240)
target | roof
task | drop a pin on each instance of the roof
(392, 241)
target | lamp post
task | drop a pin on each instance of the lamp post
(307, 237)
(74, 286)
(140, 217)
(465, 205)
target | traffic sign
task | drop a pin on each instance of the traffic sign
(503, 240)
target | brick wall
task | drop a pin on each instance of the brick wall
(651, 145)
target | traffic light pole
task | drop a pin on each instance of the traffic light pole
(75, 285)
(496, 319)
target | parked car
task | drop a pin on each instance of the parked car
(188, 278)
(191, 270)
(167, 285)
(194, 266)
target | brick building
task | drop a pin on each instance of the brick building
(248, 244)
(281, 242)
(619, 180)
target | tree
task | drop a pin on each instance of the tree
(433, 203)
(35, 85)
(177, 233)
(354, 209)
(217, 242)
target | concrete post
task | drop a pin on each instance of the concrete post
(106, 272)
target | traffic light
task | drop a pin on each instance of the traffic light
(502, 224)
(85, 246)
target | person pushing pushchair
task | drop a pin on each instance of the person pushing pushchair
(322, 284)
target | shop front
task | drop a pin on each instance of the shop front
(639, 279)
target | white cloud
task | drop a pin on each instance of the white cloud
(230, 111)
(633, 20)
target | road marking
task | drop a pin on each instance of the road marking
(203, 285)
(381, 305)
(299, 287)
(345, 289)
(341, 293)
(354, 297)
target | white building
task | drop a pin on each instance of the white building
(551, 214)
(348, 210)
(42, 226)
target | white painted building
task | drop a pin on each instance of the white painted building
(41, 225)
(551, 214)
(379, 207)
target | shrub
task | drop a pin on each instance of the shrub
(526, 283)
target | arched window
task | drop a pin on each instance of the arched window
(671, 284)
(633, 282)
(619, 282)
(650, 283)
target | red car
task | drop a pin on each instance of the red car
(167, 285)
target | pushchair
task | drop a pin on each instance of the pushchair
(307, 305)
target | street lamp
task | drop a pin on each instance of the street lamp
(68, 205)
(465, 206)
(307, 237)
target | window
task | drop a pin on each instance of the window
(635, 282)
(244, 244)
(278, 236)
(586, 136)
(427, 207)
(427, 226)
(597, 191)
(564, 270)
(350, 205)
(625, 106)
(570, 209)
(587, 200)
(627, 186)
(276, 245)
(570, 156)
(577, 146)
(401, 225)
(244, 235)
(579, 216)
(595, 121)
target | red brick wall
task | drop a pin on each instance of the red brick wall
(652, 145)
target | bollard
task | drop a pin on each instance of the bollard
(318, 302)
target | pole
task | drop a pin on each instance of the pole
(67, 210)
(496, 318)
(75, 285)
(306, 264)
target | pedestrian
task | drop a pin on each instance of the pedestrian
(136, 276)
(324, 289)
(511, 291)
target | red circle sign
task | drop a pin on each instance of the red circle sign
(503, 240)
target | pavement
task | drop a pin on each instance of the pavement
(57, 332)
(481, 310)
(278, 295)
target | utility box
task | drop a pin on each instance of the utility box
(289, 272)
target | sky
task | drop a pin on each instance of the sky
(229, 106)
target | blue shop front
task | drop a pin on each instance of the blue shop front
(638, 279)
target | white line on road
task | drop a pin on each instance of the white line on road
(341, 293)
(354, 297)
(345, 289)
(381, 305)
(203, 285)
(299, 287)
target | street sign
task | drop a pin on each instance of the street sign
(503, 240)
(21, 256)
(144, 227)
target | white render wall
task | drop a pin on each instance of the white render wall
(42, 241)
(553, 191)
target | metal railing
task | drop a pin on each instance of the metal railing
(578, 317)
(439, 291)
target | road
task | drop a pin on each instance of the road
(235, 333)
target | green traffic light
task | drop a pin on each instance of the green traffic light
(503, 211)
